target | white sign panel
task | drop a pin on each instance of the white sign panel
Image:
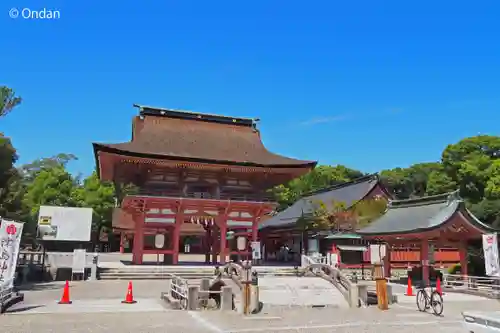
(65, 223)
(10, 239)
(377, 253)
(256, 254)
(79, 261)
(490, 248)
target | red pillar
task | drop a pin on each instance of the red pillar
(462, 252)
(213, 244)
(387, 261)
(138, 251)
(179, 220)
(223, 242)
(255, 229)
(424, 259)
(122, 242)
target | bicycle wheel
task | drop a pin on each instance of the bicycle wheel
(421, 300)
(437, 303)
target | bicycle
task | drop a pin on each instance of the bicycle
(426, 301)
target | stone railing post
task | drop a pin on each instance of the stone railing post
(204, 293)
(353, 296)
(363, 293)
(193, 297)
(226, 300)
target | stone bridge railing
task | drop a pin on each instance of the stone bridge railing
(333, 275)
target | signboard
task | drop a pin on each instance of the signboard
(159, 241)
(10, 239)
(490, 248)
(79, 261)
(377, 253)
(256, 254)
(241, 243)
(64, 223)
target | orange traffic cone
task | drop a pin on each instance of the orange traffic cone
(65, 296)
(438, 286)
(129, 298)
(409, 289)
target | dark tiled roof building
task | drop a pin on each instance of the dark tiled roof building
(347, 193)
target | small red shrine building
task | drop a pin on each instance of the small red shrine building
(199, 175)
(440, 221)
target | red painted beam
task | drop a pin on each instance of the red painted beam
(158, 251)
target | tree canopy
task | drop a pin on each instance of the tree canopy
(8, 100)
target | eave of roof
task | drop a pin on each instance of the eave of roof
(420, 215)
(349, 192)
(105, 148)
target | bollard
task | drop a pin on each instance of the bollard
(226, 300)
(93, 269)
(254, 293)
(193, 297)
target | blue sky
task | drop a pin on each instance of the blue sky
(368, 84)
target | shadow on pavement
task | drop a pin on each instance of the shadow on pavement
(40, 286)
(23, 308)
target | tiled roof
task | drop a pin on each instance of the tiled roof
(172, 134)
(348, 193)
(418, 215)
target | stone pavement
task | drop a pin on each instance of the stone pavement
(96, 308)
(299, 291)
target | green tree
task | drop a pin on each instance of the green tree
(100, 196)
(469, 164)
(53, 187)
(8, 157)
(11, 199)
(319, 178)
(492, 189)
(438, 182)
(30, 171)
(8, 100)
(413, 181)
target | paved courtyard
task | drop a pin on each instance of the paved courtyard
(96, 308)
